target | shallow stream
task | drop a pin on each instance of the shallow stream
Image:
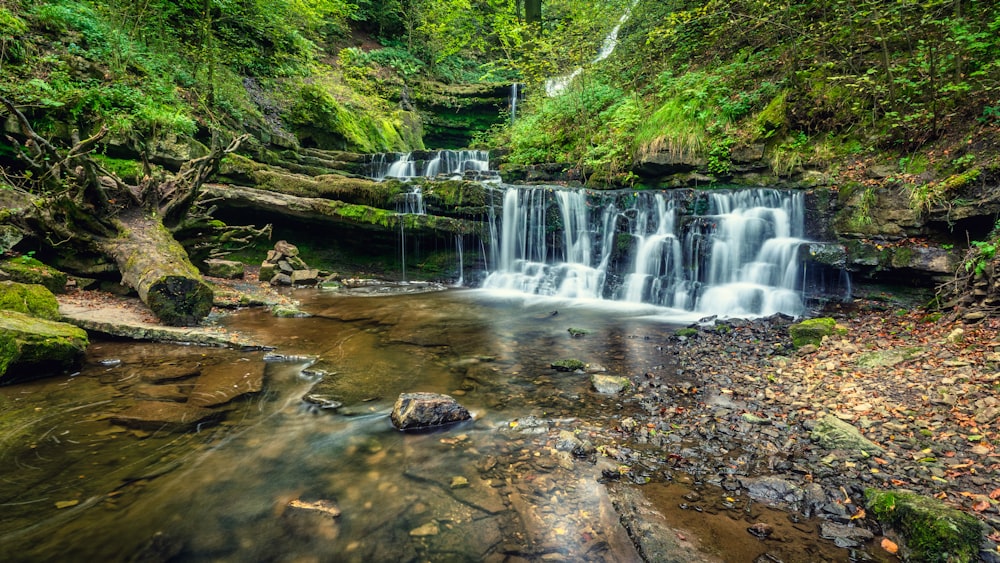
(281, 479)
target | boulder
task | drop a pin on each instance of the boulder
(9, 237)
(930, 529)
(835, 434)
(31, 348)
(609, 384)
(226, 269)
(425, 410)
(26, 269)
(31, 299)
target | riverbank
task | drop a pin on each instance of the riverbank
(731, 426)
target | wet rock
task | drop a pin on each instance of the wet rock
(835, 434)
(31, 348)
(424, 410)
(568, 365)
(428, 529)
(844, 535)
(761, 530)
(773, 489)
(151, 392)
(322, 402)
(159, 415)
(321, 506)
(931, 530)
(609, 384)
(223, 383)
(170, 372)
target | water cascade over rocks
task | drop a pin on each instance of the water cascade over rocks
(428, 163)
(721, 252)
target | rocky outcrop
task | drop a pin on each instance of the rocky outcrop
(31, 348)
(414, 411)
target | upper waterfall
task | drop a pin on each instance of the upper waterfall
(427, 163)
(556, 86)
(728, 253)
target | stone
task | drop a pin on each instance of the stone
(31, 348)
(609, 384)
(226, 269)
(428, 529)
(9, 237)
(267, 271)
(425, 410)
(286, 248)
(169, 392)
(568, 365)
(835, 434)
(281, 279)
(844, 535)
(305, 277)
(31, 299)
(222, 383)
(25, 269)
(160, 415)
(930, 529)
(773, 489)
(812, 331)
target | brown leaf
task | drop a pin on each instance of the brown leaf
(995, 494)
(981, 505)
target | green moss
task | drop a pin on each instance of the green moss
(128, 170)
(812, 331)
(568, 365)
(686, 332)
(32, 347)
(25, 269)
(30, 299)
(931, 530)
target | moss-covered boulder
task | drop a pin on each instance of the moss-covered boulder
(31, 299)
(812, 331)
(25, 269)
(931, 530)
(570, 364)
(835, 434)
(31, 348)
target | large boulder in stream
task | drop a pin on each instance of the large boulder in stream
(414, 411)
(31, 347)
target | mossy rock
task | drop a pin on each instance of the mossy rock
(931, 530)
(31, 299)
(31, 348)
(568, 365)
(812, 331)
(687, 332)
(25, 269)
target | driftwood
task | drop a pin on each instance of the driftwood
(87, 207)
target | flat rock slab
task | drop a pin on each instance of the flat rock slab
(151, 392)
(160, 415)
(133, 321)
(169, 372)
(425, 410)
(222, 383)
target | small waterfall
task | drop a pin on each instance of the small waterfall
(461, 261)
(430, 164)
(730, 253)
(556, 86)
(412, 203)
(513, 101)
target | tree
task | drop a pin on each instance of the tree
(81, 205)
(533, 11)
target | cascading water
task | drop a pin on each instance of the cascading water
(729, 253)
(407, 165)
(556, 86)
(514, 94)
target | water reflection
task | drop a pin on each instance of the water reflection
(75, 481)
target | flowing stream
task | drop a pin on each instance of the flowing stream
(283, 479)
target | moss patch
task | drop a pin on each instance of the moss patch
(932, 531)
(25, 269)
(812, 331)
(568, 365)
(31, 299)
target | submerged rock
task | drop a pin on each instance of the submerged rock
(425, 410)
(609, 384)
(159, 415)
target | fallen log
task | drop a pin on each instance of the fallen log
(154, 264)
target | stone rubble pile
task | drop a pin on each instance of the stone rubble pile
(284, 267)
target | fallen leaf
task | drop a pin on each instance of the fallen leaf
(859, 514)
(981, 505)
(890, 546)
(995, 494)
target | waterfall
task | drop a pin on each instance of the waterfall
(514, 87)
(729, 253)
(461, 261)
(556, 86)
(430, 164)
(412, 203)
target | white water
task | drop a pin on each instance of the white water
(557, 85)
(442, 162)
(737, 257)
(514, 93)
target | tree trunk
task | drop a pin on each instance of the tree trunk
(532, 11)
(154, 264)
